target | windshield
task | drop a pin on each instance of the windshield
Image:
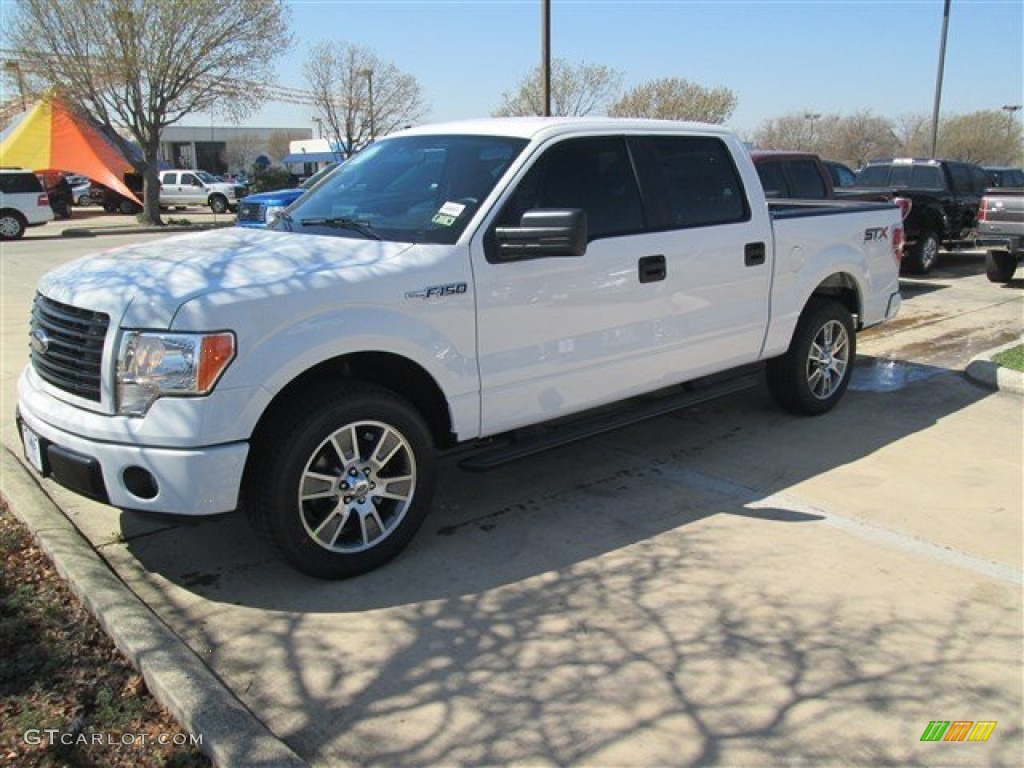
(207, 178)
(407, 189)
(312, 180)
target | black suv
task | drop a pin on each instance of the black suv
(944, 197)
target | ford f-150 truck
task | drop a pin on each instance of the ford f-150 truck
(1001, 232)
(943, 195)
(448, 286)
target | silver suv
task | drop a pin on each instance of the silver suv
(23, 203)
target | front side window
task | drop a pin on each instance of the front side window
(189, 180)
(406, 189)
(594, 174)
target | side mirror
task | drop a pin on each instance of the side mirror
(544, 232)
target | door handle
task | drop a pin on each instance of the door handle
(753, 254)
(652, 268)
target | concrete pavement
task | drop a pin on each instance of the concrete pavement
(727, 585)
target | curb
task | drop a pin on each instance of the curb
(982, 370)
(177, 678)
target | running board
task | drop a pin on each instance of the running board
(521, 445)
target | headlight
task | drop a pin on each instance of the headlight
(272, 212)
(152, 365)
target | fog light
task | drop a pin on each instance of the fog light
(140, 482)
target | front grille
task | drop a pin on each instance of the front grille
(251, 212)
(67, 346)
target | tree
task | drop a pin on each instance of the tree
(988, 137)
(279, 142)
(858, 138)
(673, 98)
(793, 131)
(142, 65)
(242, 151)
(358, 96)
(575, 90)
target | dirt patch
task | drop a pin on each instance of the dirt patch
(67, 696)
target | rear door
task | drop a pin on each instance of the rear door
(170, 189)
(663, 293)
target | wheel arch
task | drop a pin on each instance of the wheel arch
(384, 369)
(843, 288)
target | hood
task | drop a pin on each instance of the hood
(277, 195)
(143, 286)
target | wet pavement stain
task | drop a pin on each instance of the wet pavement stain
(878, 374)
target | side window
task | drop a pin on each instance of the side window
(961, 178)
(842, 176)
(979, 179)
(690, 181)
(806, 180)
(593, 174)
(169, 178)
(772, 179)
(189, 179)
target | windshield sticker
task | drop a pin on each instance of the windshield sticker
(452, 209)
(443, 220)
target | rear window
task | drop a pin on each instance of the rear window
(16, 183)
(806, 180)
(902, 176)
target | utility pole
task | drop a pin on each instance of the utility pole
(938, 79)
(369, 93)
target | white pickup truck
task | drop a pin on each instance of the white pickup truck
(450, 285)
(183, 188)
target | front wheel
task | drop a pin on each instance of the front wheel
(1000, 266)
(343, 480)
(815, 371)
(218, 204)
(922, 257)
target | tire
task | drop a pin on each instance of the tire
(12, 225)
(1000, 266)
(924, 254)
(815, 371)
(218, 204)
(127, 206)
(365, 459)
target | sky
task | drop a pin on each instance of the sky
(778, 56)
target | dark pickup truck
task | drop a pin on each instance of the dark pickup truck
(1001, 232)
(944, 197)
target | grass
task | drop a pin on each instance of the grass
(1012, 358)
(58, 670)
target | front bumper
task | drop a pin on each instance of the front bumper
(182, 481)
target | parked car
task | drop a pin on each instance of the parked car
(944, 197)
(257, 211)
(798, 175)
(183, 188)
(1002, 176)
(456, 285)
(81, 190)
(23, 202)
(114, 202)
(1001, 232)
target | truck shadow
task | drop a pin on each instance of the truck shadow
(553, 511)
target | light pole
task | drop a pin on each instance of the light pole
(938, 78)
(319, 127)
(14, 67)
(1010, 109)
(545, 55)
(811, 117)
(369, 90)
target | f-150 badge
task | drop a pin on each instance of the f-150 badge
(437, 291)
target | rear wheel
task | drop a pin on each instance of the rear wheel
(1000, 266)
(815, 371)
(12, 225)
(343, 480)
(922, 257)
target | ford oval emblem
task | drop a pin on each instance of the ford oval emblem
(39, 341)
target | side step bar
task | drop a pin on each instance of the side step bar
(520, 445)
